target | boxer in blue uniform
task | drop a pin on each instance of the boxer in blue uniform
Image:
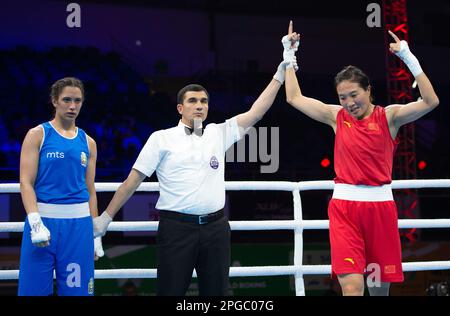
(57, 172)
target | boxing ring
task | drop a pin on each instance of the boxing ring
(298, 225)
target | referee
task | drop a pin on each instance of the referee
(190, 163)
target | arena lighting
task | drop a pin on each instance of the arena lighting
(422, 165)
(325, 163)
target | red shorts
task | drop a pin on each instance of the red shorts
(364, 235)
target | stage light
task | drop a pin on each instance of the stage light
(422, 165)
(325, 163)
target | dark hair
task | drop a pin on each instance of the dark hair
(190, 87)
(353, 74)
(59, 86)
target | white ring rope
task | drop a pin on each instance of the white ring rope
(244, 271)
(297, 225)
(260, 185)
(151, 226)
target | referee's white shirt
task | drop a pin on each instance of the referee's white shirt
(190, 168)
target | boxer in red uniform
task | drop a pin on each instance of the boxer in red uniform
(363, 216)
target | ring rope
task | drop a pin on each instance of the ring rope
(243, 271)
(298, 225)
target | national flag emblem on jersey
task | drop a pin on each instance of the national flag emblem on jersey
(373, 127)
(91, 286)
(83, 159)
(389, 269)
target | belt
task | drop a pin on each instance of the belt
(362, 193)
(189, 218)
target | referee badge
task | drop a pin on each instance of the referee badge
(214, 163)
(83, 159)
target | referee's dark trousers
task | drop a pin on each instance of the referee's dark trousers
(185, 242)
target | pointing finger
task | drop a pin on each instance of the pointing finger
(395, 37)
(291, 27)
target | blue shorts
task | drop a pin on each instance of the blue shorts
(70, 254)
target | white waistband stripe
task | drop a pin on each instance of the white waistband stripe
(64, 210)
(363, 193)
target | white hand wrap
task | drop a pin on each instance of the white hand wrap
(281, 70)
(101, 224)
(289, 51)
(409, 59)
(98, 247)
(39, 233)
(287, 44)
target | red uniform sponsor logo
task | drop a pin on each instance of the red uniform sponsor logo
(350, 260)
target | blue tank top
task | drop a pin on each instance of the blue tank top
(61, 176)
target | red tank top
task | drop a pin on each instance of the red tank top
(363, 149)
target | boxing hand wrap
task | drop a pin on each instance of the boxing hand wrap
(39, 233)
(101, 224)
(98, 247)
(409, 59)
(281, 70)
(289, 52)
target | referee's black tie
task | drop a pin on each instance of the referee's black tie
(190, 131)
